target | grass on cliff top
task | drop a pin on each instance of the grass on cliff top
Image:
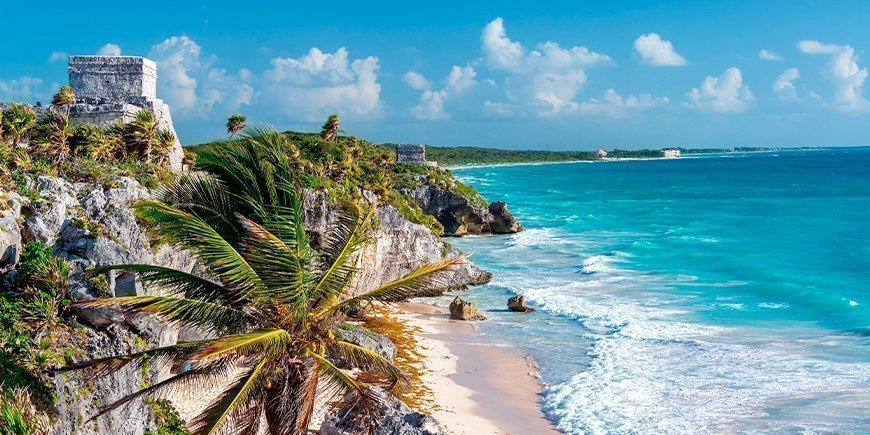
(349, 164)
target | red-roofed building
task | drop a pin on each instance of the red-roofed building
(600, 154)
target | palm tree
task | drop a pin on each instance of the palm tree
(235, 124)
(52, 136)
(330, 129)
(18, 119)
(140, 134)
(271, 300)
(65, 98)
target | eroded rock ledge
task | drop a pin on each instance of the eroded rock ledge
(461, 216)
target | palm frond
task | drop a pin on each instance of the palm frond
(291, 397)
(415, 282)
(178, 283)
(285, 276)
(202, 196)
(208, 315)
(158, 357)
(343, 240)
(217, 253)
(203, 376)
(259, 342)
(369, 361)
(237, 404)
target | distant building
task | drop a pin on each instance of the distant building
(600, 154)
(670, 153)
(412, 155)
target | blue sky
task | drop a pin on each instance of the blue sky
(556, 75)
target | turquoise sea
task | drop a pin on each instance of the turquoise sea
(720, 293)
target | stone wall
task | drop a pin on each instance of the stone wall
(411, 154)
(113, 78)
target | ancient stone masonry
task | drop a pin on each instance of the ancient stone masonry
(411, 154)
(115, 88)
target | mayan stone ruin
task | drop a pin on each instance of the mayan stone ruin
(115, 88)
(411, 154)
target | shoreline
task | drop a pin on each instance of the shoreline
(467, 379)
(628, 159)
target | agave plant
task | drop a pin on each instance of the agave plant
(235, 124)
(330, 129)
(270, 298)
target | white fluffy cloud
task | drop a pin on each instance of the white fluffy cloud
(26, 89)
(58, 56)
(614, 105)
(783, 85)
(725, 93)
(316, 84)
(109, 50)
(548, 77)
(766, 54)
(191, 84)
(843, 70)
(431, 105)
(655, 51)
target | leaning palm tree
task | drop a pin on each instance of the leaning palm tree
(271, 300)
(330, 129)
(51, 136)
(235, 124)
(64, 98)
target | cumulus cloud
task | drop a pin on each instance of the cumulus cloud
(655, 51)
(417, 81)
(58, 56)
(843, 71)
(766, 54)
(431, 105)
(783, 85)
(725, 93)
(316, 84)
(548, 77)
(193, 85)
(109, 50)
(25, 89)
(614, 105)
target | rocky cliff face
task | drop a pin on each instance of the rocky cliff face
(460, 216)
(398, 246)
(94, 226)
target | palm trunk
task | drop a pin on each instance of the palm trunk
(290, 402)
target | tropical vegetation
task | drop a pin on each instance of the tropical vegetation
(270, 296)
(235, 124)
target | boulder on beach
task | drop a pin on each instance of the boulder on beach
(518, 304)
(462, 310)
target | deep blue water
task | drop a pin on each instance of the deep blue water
(716, 293)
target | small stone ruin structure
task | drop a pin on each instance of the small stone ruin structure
(412, 155)
(114, 88)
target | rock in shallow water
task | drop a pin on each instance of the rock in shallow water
(462, 310)
(518, 304)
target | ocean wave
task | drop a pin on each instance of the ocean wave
(650, 375)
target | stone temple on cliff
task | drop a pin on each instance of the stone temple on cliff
(115, 88)
(412, 155)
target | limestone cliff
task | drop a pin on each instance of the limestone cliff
(94, 226)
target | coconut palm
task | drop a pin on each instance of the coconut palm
(64, 98)
(271, 300)
(330, 129)
(235, 124)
